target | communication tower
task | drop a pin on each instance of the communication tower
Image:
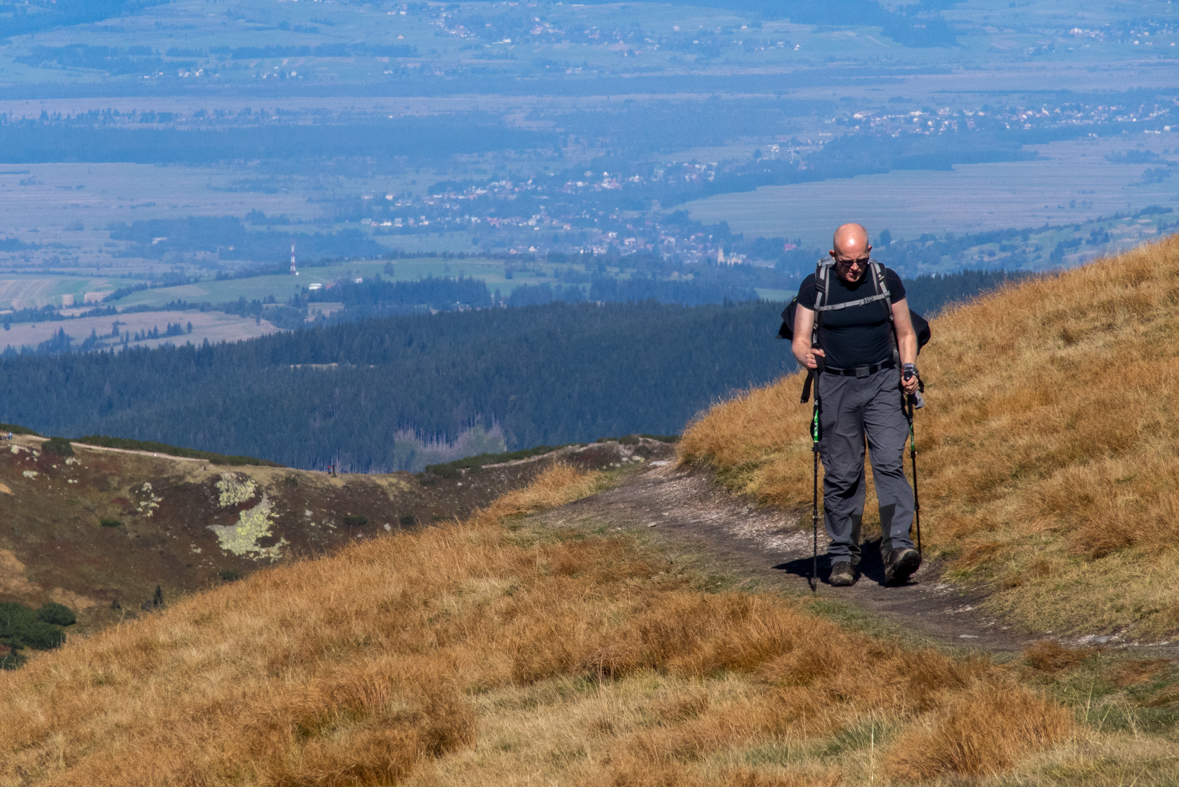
(293, 271)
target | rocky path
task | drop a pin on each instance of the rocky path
(690, 512)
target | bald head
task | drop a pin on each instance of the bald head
(851, 245)
(850, 242)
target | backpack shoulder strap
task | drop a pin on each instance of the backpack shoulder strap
(822, 280)
(822, 289)
(880, 277)
(879, 285)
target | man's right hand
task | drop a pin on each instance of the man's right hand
(811, 360)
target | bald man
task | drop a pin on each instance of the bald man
(859, 388)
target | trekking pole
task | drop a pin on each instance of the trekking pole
(815, 510)
(913, 455)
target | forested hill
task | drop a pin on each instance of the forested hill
(544, 374)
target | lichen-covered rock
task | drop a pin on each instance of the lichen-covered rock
(147, 502)
(234, 491)
(253, 525)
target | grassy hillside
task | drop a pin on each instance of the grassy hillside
(495, 651)
(98, 529)
(1048, 454)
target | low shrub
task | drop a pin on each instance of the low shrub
(172, 450)
(6, 428)
(355, 521)
(21, 627)
(407, 520)
(229, 575)
(58, 445)
(56, 614)
(108, 521)
(12, 660)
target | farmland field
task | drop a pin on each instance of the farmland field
(1068, 182)
(282, 286)
(35, 291)
(211, 326)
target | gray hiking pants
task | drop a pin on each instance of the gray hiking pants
(850, 410)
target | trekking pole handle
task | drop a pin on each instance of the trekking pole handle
(909, 371)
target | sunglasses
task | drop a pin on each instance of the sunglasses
(861, 262)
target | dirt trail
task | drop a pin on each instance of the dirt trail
(693, 513)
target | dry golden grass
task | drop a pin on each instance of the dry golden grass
(497, 652)
(1048, 455)
(1051, 657)
(973, 734)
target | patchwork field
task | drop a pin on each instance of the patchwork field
(211, 326)
(283, 286)
(1069, 182)
(32, 292)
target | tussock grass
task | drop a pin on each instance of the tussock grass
(495, 651)
(1048, 455)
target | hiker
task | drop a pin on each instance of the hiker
(859, 388)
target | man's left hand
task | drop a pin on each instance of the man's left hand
(909, 379)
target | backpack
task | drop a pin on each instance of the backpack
(880, 293)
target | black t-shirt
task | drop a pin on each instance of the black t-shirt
(859, 335)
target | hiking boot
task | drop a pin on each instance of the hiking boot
(842, 575)
(900, 566)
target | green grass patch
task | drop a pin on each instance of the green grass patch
(171, 450)
(1107, 689)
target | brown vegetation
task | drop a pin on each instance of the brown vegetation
(1048, 656)
(1048, 453)
(493, 651)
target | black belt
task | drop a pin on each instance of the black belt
(861, 371)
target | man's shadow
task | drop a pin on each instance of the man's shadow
(871, 565)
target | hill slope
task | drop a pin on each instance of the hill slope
(99, 530)
(502, 652)
(1048, 454)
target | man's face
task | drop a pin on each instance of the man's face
(851, 268)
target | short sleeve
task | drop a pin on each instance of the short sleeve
(896, 288)
(807, 292)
